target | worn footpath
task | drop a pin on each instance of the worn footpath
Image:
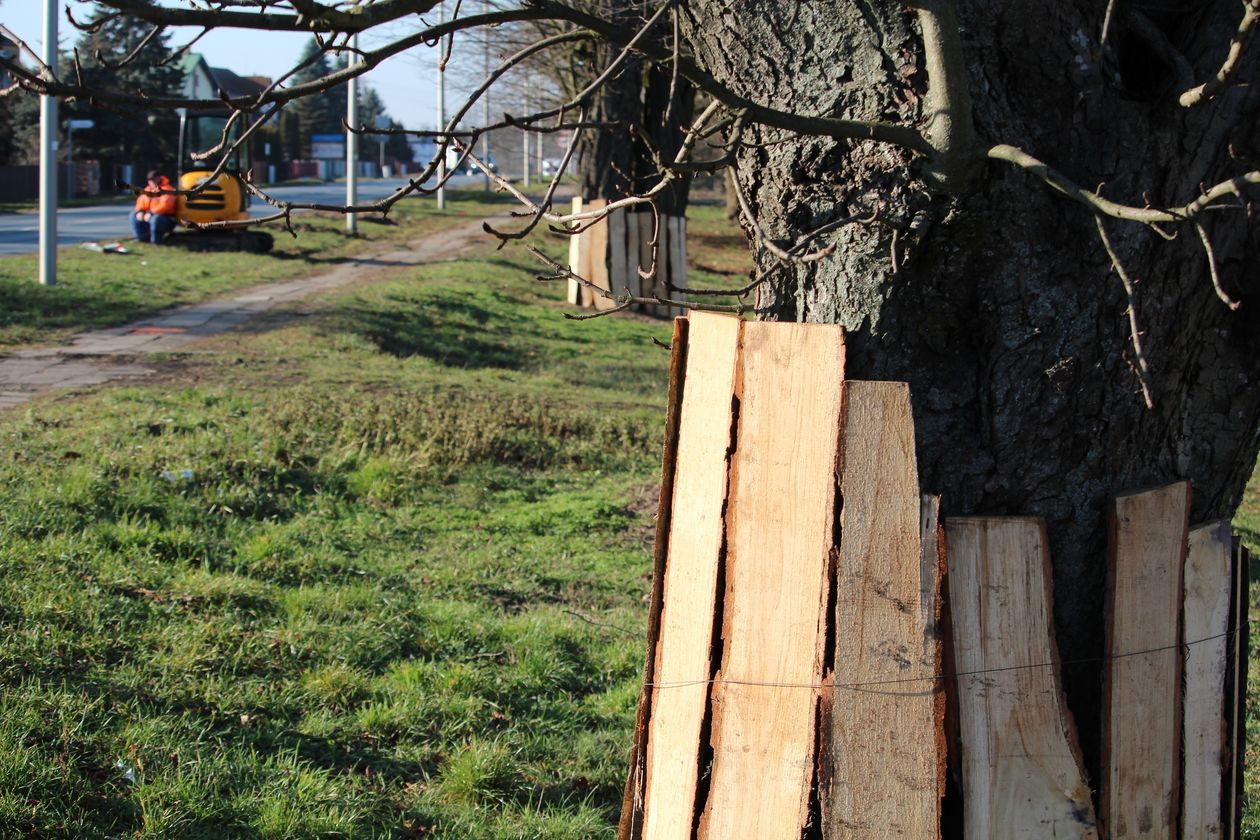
(117, 353)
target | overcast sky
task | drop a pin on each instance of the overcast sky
(407, 83)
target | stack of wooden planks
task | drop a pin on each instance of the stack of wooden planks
(792, 676)
(795, 679)
(614, 254)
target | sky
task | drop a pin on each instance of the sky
(407, 83)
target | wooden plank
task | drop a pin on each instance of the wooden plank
(1209, 586)
(630, 826)
(678, 259)
(618, 276)
(1239, 649)
(632, 254)
(779, 535)
(685, 650)
(651, 288)
(886, 772)
(598, 257)
(573, 292)
(1022, 769)
(1142, 673)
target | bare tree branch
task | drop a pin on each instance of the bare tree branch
(1246, 29)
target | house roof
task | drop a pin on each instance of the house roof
(234, 85)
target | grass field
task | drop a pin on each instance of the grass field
(376, 567)
(97, 290)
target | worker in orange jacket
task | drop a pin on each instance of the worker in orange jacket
(154, 216)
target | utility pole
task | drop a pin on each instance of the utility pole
(352, 139)
(525, 145)
(441, 115)
(48, 158)
(485, 98)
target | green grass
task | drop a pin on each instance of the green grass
(98, 290)
(376, 568)
(1247, 524)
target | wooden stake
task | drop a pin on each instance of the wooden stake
(887, 724)
(1208, 587)
(684, 653)
(631, 824)
(1142, 673)
(1022, 769)
(779, 530)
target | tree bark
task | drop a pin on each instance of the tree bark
(997, 303)
(648, 108)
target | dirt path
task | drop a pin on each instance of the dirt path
(100, 356)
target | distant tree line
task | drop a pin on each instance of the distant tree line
(122, 135)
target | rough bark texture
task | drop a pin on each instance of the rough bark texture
(998, 304)
(650, 109)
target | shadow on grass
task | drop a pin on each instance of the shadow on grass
(453, 330)
(40, 307)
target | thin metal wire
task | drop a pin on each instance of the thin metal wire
(938, 677)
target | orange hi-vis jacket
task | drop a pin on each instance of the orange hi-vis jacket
(159, 204)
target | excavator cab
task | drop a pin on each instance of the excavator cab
(223, 199)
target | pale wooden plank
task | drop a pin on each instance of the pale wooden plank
(1206, 608)
(1022, 770)
(685, 650)
(597, 263)
(779, 535)
(651, 288)
(617, 268)
(1142, 674)
(886, 768)
(573, 292)
(632, 254)
(630, 826)
(678, 259)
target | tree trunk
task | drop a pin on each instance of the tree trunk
(998, 304)
(649, 109)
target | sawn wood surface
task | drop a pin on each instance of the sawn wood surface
(1142, 671)
(1022, 770)
(779, 531)
(886, 761)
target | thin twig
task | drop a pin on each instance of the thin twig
(1139, 366)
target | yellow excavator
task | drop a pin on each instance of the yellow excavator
(223, 199)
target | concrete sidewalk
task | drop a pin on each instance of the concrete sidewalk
(89, 358)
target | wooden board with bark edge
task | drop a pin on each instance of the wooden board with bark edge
(630, 826)
(684, 650)
(1239, 651)
(1022, 767)
(1209, 585)
(780, 516)
(1141, 739)
(886, 755)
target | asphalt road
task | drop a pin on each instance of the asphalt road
(19, 232)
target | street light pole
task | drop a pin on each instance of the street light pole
(48, 158)
(485, 98)
(352, 139)
(441, 116)
(525, 145)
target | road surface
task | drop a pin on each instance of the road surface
(19, 232)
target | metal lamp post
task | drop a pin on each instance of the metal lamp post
(352, 139)
(48, 158)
